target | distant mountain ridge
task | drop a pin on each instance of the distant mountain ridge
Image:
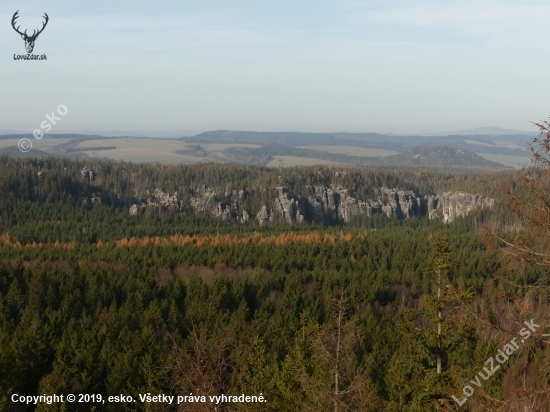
(53, 136)
(420, 156)
(485, 131)
(283, 148)
(510, 144)
(6, 131)
(442, 156)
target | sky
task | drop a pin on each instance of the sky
(183, 67)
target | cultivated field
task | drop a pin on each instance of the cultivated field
(141, 150)
(214, 147)
(514, 161)
(351, 150)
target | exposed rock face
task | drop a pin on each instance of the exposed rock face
(403, 203)
(455, 204)
(322, 204)
(349, 206)
(207, 201)
(263, 216)
(135, 208)
(288, 209)
(432, 204)
(223, 213)
(86, 173)
(328, 203)
(158, 197)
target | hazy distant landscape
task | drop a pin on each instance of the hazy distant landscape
(285, 149)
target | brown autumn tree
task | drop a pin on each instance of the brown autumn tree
(525, 281)
(201, 366)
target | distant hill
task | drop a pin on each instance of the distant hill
(505, 144)
(511, 145)
(284, 148)
(422, 156)
(116, 133)
(439, 156)
(7, 131)
(53, 136)
(262, 138)
(372, 140)
(263, 155)
(487, 131)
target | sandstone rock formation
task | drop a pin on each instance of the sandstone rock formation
(135, 208)
(86, 173)
(158, 197)
(288, 209)
(206, 201)
(453, 204)
(320, 204)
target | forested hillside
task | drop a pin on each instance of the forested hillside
(39, 194)
(314, 315)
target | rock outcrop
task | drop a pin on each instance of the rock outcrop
(263, 217)
(453, 204)
(289, 210)
(158, 197)
(86, 173)
(319, 204)
(206, 201)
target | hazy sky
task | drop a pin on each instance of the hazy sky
(384, 66)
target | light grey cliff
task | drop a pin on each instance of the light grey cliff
(454, 204)
(319, 204)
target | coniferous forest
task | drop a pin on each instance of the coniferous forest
(376, 313)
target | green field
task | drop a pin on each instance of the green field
(291, 161)
(141, 150)
(514, 161)
(351, 150)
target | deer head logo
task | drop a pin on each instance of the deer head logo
(29, 40)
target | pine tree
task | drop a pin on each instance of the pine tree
(439, 266)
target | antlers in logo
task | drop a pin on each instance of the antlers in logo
(29, 40)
